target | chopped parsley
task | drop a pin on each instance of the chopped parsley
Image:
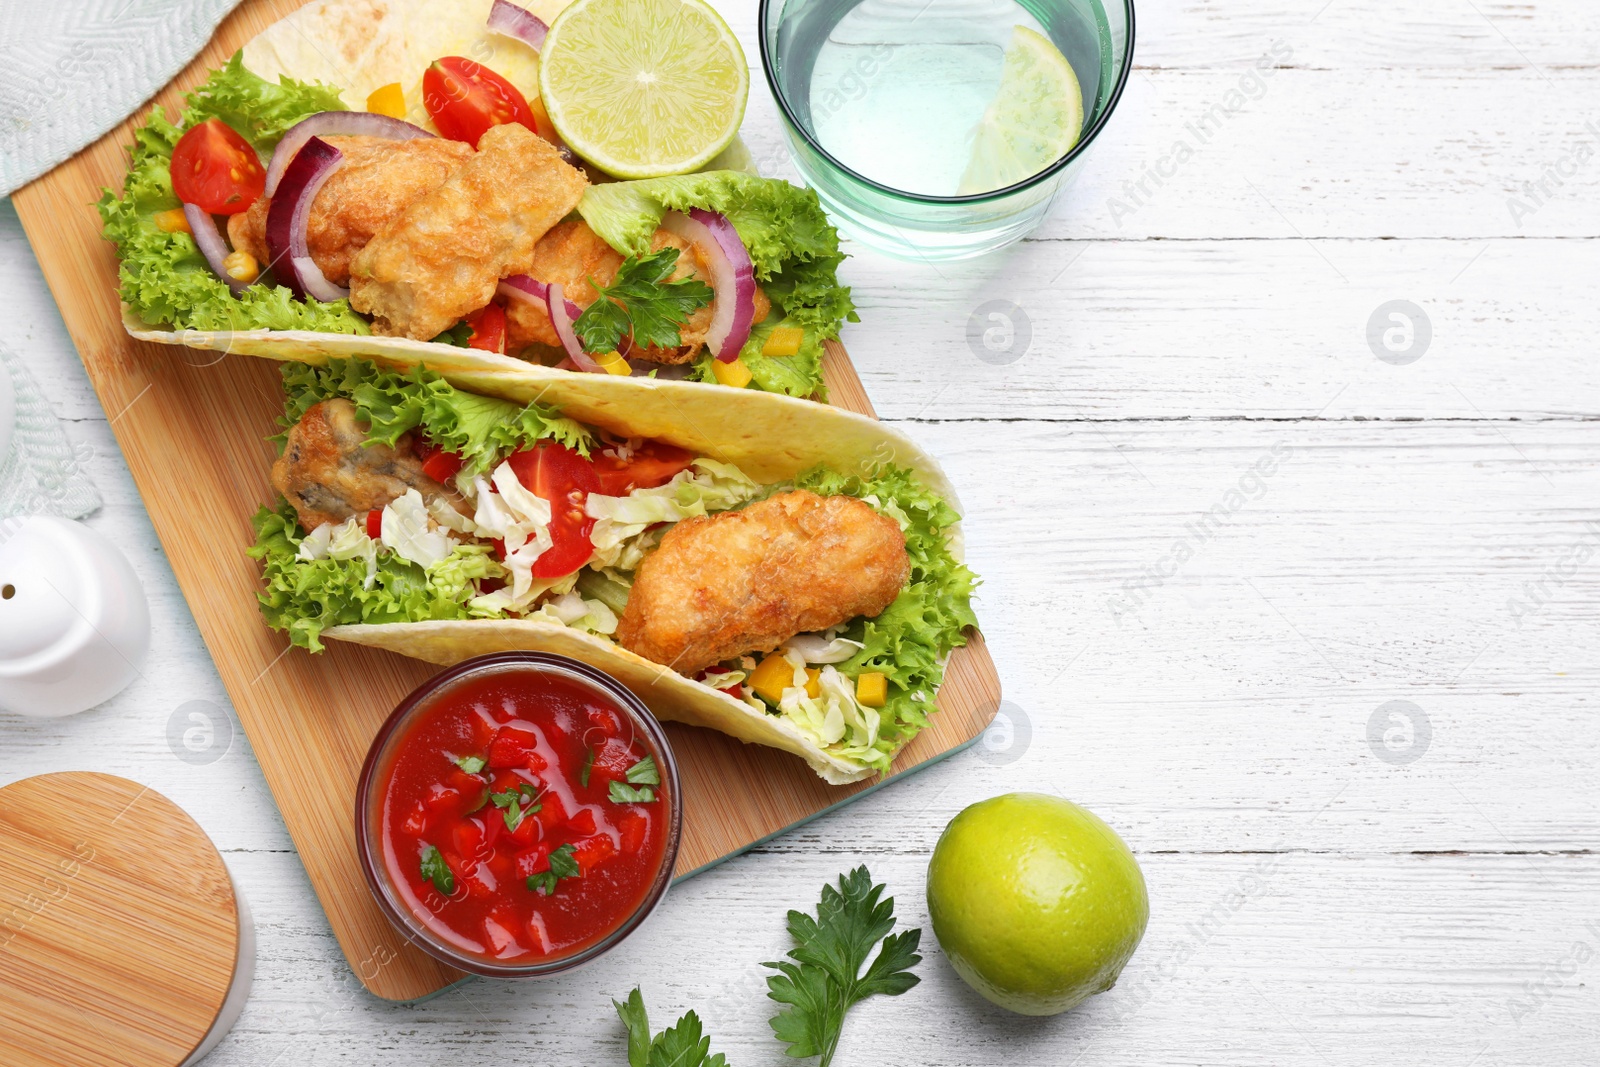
(517, 804)
(562, 865)
(641, 776)
(437, 871)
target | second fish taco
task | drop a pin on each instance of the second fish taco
(381, 178)
(784, 572)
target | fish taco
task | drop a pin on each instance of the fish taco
(372, 177)
(796, 585)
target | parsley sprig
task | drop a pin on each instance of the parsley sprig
(437, 871)
(562, 865)
(823, 977)
(682, 1045)
(517, 804)
(641, 301)
(643, 775)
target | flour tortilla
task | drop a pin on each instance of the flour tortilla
(769, 436)
(358, 46)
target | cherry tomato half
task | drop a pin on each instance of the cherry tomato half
(564, 478)
(216, 170)
(465, 98)
(488, 328)
(652, 464)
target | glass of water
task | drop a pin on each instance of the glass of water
(942, 129)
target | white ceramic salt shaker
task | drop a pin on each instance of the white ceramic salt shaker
(74, 622)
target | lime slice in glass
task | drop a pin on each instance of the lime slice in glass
(1035, 119)
(644, 88)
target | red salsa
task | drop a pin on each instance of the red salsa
(523, 816)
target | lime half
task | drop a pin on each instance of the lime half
(644, 88)
(1035, 119)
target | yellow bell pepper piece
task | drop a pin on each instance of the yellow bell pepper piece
(733, 373)
(614, 363)
(771, 677)
(813, 683)
(173, 221)
(872, 689)
(783, 341)
(388, 100)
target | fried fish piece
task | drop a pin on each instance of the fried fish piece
(442, 257)
(747, 581)
(329, 474)
(375, 181)
(573, 255)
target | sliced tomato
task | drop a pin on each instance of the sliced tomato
(216, 170)
(375, 523)
(653, 463)
(488, 328)
(564, 478)
(441, 466)
(465, 98)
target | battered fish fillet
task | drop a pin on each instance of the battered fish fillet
(573, 255)
(747, 581)
(376, 180)
(328, 474)
(448, 249)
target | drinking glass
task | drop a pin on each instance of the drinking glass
(882, 99)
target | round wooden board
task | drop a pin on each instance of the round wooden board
(119, 930)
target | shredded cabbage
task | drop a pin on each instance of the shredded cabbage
(707, 486)
(406, 530)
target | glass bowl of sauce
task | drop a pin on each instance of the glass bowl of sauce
(518, 815)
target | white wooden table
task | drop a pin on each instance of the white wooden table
(1334, 879)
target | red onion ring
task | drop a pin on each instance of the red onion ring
(209, 240)
(287, 217)
(332, 123)
(533, 292)
(563, 313)
(514, 21)
(733, 277)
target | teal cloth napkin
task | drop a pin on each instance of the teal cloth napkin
(72, 69)
(41, 472)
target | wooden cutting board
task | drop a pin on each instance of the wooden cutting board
(193, 426)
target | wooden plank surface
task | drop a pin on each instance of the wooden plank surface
(193, 426)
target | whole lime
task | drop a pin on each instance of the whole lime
(1036, 902)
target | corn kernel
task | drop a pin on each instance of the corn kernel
(872, 689)
(783, 341)
(813, 683)
(772, 677)
(733, 373)
(388, 100)
(241, 266)
(172, 221)
(613, 363)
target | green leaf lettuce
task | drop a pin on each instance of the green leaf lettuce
(164, 278)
